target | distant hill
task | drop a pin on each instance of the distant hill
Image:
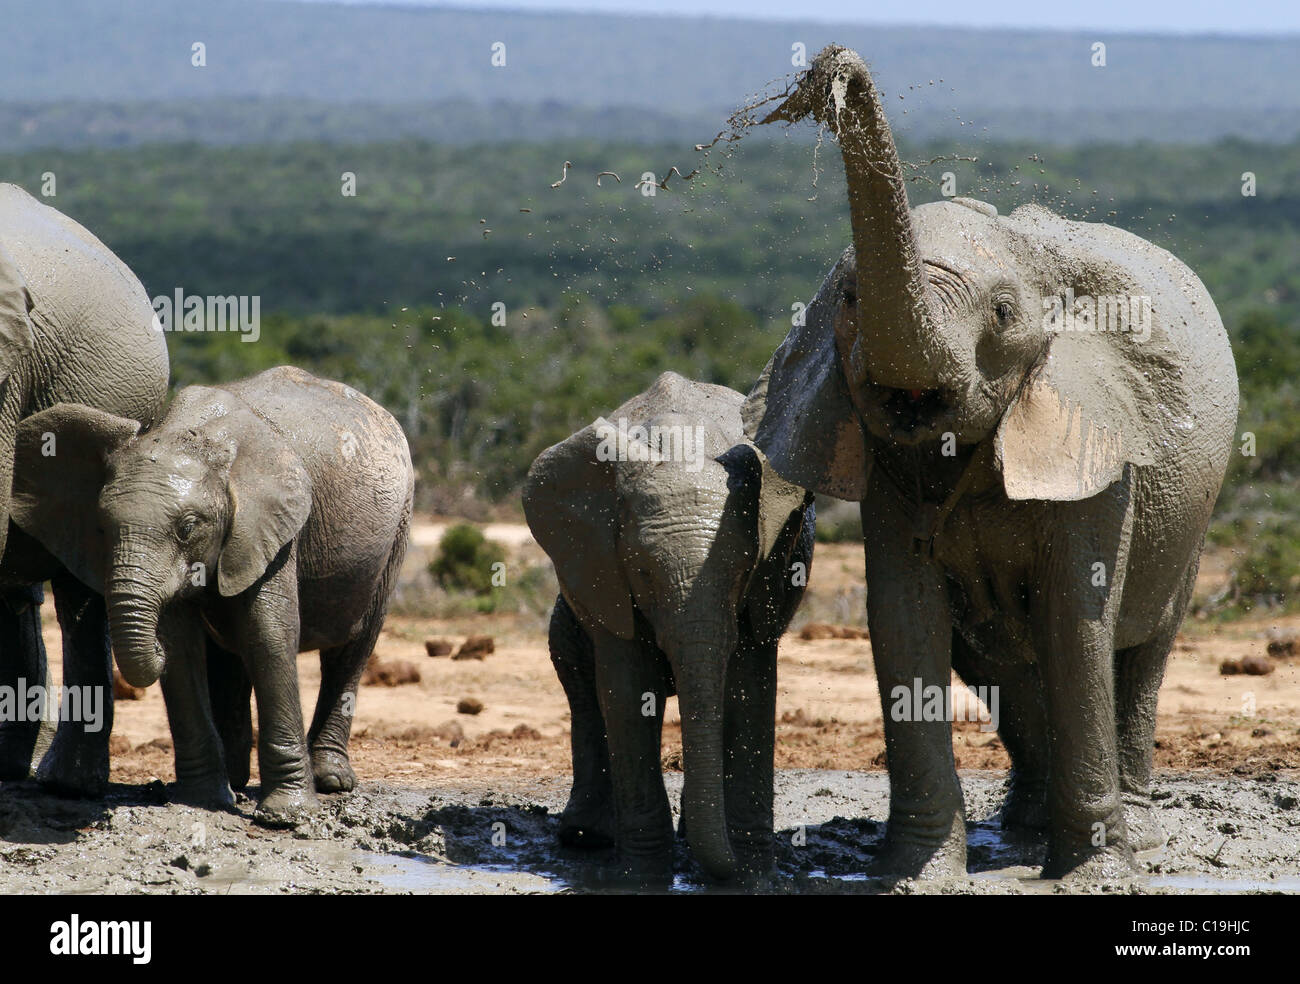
(80, 72)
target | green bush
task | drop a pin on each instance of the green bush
(465, 561)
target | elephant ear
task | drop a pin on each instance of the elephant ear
(571, 504)
(270, 492)
(780, 517)
(1085, 412)
(16, 337)
(800, 414)
(60, 466)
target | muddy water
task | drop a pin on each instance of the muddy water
(1229, 834)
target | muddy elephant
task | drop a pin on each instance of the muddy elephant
(1036, 415)
(681, 558)
(75, 325)
(258, 519)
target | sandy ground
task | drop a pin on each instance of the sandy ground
(426, 767)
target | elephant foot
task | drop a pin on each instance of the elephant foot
(237, 773)
(1143, 824)
(332, 772)
(753, 865)
(75, 767)
(1025, 807)
(206, 792)
(17, 745)
(587, 822)
(633, 874)
(286, 807)
(1092, 864)
(906, 855)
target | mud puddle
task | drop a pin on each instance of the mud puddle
(1228, 834)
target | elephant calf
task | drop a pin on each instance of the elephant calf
(262, 518)
(681, 558)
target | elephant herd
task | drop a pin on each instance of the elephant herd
(1035, 415)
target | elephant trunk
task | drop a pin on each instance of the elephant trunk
(133, 612)
(894, 333)
(699, 668)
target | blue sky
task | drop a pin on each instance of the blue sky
(1177, 16)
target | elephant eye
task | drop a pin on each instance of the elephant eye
(1005, 313)
(187, 527)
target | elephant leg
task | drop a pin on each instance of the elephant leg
(267, 635)
(1139, 672)
(341, 668)
(588, 819)
(200, 761)
(631, 689)
(231, 690)
(77, 762)
(1077, 601)
(23, 665)
(749, 736)
(911, 640)
(331, 726)
(1022, 728)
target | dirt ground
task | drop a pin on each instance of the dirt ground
(1236, 735)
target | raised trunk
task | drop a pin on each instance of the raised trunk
(895, 336)
(133, 625)
(699, 667)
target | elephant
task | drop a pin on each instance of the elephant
(75, 325)
(256, 520)
(681, 558)
(1036, 415)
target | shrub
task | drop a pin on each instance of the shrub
(465, 561)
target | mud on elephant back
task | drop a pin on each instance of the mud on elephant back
(258, 519)
(681, 558)
(1036, 415)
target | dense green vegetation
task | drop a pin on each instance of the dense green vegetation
(601, 288)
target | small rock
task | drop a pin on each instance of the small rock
(476, 647)
(1282, 646)
(469, 705)
(118, 745)
(438, 647)
(450, 731)
(203, 870)
(1229, 667)
(389, 673)
(123, 690)
(1256, 666)
(181, 862)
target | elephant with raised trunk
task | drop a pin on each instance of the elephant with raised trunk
(681, 558)
(1036, 415)
(258, 519)
(75, 325)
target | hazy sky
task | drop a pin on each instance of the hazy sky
(1180, 16)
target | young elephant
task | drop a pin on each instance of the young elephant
(681, 558)
(262, 518)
